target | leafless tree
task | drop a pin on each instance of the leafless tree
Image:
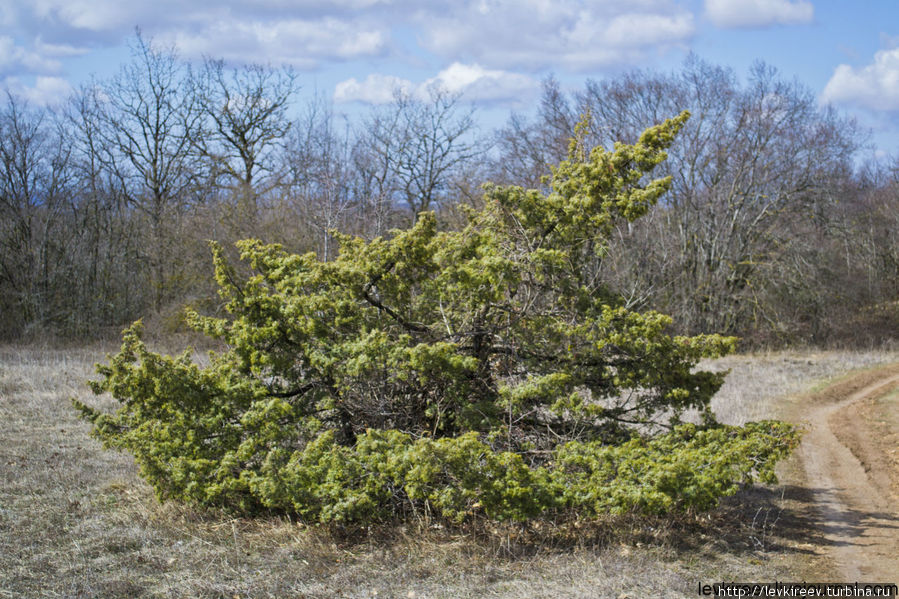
(774, 228)
(527, 149)
(245, 124)
(149, 116)
(35, 180)
(752, 162)
(320, 174)
(411, 148)
(106, 241)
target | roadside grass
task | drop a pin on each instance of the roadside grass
(77, 521)
(883, 416)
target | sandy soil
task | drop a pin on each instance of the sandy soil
(849, 459)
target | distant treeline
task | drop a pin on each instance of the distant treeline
(775, 229)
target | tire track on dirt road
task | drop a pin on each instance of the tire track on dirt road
(858, 512)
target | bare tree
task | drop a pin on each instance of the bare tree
(527, 150)
(35, 181)
(374, 163)
(106, 242)
(751, 163)
(149, 117)
(245, 126)
(412, 148)
(320, 174)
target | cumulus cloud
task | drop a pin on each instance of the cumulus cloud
(91, 15)
(316, 6)
(874, 86)
(46, 91)
(296, 42)
(375, 89)
(279, 31)
(758, 13)
(484, 40)
(535, 34)
(57, 50)
(16, 59)
(473, 82)
(499, 34)
(487, 85)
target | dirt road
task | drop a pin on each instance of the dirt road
(849, 459)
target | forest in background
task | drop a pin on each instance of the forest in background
(778, 227)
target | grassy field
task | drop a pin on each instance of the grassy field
(77, 521)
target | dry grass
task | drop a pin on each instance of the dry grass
(757, 382)
(77, 521)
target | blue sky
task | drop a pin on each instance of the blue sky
(494, 52)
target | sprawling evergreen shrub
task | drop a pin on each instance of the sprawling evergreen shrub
(446, 372)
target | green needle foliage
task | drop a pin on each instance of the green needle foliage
(446, 373)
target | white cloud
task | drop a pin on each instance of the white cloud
(499, 35)
(875, 86)
(476, 83)
(376, 89)
(637, 30)
(91, 15)
(8, 14)
(472, 82)
(279, 31)
(758, 13)
(46, 91)
(16, 59)
(316, 5)
(58, 50)
(296, 42)
(535, 34)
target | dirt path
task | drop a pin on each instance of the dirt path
(852, 474)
